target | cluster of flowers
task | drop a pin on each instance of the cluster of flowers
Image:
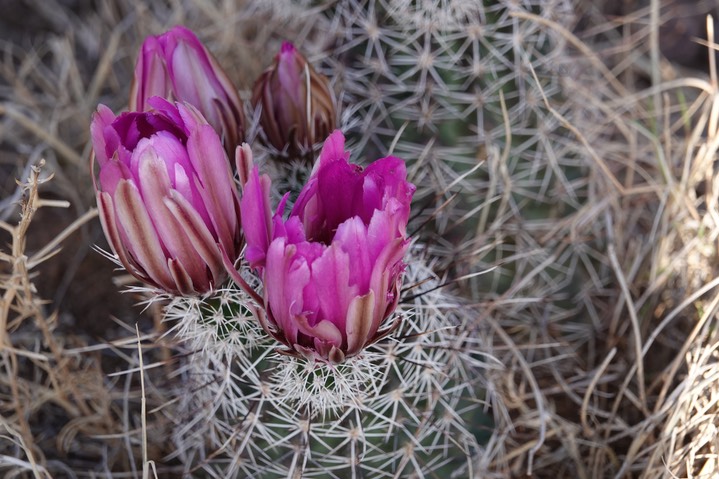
(331, 270)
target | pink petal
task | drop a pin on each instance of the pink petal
(244, 163)
(292, 229)
(151, 77)
(168, 110)
(333, 150)
(336, 180)
(108, 220)
(323, 331)
(196, 230)
(382, 229)
(216, 186)
(284, 278)
(183, 282)
(390, 174)
(331, 274)
(192, 76)
(352, 238)
(307, 207)
(111, 174)
(155, 188)
(291, 78)
(104, 138)
(256, 217)
(360, 322)
(222, 87)
(146, 249)
(387, 263)
(173, 154)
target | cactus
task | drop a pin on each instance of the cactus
(449, 86)
(401, 408)
(452, 91)
(458, 89)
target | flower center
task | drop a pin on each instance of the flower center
(133, 127)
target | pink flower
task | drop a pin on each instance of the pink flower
(177, 66)
(298, 107)
(167, 201)
(332, 270)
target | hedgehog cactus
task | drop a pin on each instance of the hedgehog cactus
(404, 407)
(448, 89)
(477, 96)
(450, 85)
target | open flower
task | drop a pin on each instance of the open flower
(167, 201)
(298, 107)
(332, 270)
(177, 66)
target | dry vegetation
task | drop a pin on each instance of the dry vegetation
(620, 381)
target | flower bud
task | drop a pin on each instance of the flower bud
(177, 66)
(166, 196)
(332, 270)
(298, 107)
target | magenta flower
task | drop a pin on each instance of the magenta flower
(298, 107)
(332, 270)
(177, 66)
(167, 201)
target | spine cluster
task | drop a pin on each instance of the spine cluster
(404, 407)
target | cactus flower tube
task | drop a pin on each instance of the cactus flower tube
(332, 270)
(298, 107)
(177, 66)
(166, 196)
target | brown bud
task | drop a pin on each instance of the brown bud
(297, 104)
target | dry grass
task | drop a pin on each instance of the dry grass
(617, 379)
(626, 389)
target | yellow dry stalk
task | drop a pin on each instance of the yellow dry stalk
(19, 303)
(18, 287)
(19, 293)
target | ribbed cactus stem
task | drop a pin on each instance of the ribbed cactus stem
(397, 409)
